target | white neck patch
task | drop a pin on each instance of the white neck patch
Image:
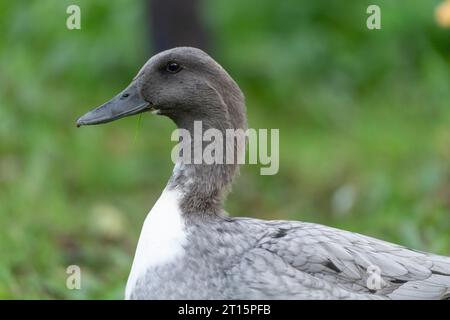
(162, 237)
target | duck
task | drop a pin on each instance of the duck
(191, 248)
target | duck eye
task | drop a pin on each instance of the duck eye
(173, 67)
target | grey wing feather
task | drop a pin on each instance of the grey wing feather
(342, 259)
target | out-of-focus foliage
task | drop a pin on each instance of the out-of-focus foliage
(364, 119)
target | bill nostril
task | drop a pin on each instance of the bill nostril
(125, 95)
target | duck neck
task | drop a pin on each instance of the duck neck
(202, 187)
(203, 183)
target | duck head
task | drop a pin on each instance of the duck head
(184, 84)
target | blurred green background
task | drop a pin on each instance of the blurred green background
(364, 120)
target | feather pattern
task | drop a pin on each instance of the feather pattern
(258, 259)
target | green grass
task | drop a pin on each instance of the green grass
(363, 115)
